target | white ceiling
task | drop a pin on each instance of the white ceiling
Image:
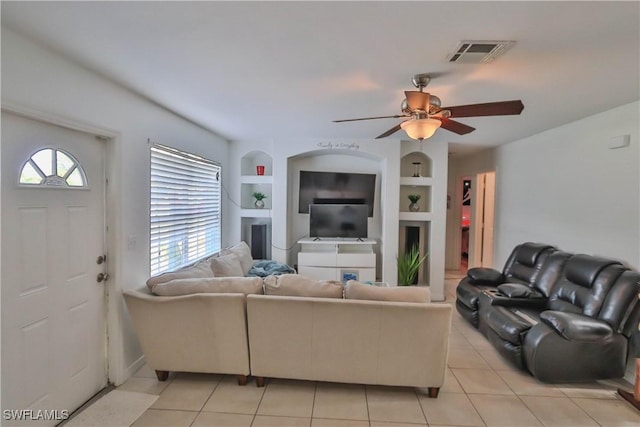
(285, 70)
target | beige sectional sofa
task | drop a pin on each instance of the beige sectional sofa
(291, 326)
(349, 341)
(202, 332)
(195, 319)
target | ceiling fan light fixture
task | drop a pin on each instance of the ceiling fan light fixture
(420, 128)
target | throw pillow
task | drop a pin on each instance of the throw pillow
(218, 285)
(243, 252)
(357, 290)
(296, 285)
(226, 266)
(201, 269)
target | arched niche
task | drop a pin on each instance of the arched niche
(331, 160)
(416, 164)
(253, 159)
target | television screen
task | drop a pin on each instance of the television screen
(338, 221)
(336, 187)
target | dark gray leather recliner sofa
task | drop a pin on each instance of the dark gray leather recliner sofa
(573, 322)
(522, 266)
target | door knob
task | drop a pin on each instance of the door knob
(101, 259)
(102, 277)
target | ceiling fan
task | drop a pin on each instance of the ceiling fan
(425, 114)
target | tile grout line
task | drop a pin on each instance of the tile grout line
(468, 398)
(366, 402)
(313, 404)
(426, 420)
(566, 397)
(255, 413)
(206, 400)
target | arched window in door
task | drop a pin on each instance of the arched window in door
(53, 168)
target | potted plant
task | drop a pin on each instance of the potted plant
(409, 263)
(414, 206)
(259, 203)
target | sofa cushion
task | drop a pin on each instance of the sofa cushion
(528, 253)
(296, 285)
(219, 285)
(243, 252)
(201, 269)
(583, 269)
(227, 266)
(357, 290)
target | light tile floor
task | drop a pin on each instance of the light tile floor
(481, 389)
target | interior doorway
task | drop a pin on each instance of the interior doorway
(482, 220)
(465, 223)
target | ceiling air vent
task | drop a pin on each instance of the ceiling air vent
(476, 52)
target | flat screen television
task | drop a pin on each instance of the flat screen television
(336, 187)
(338, 221)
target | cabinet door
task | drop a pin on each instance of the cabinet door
(317, 259)
(318, 273)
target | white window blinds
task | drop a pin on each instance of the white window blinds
(185, 208)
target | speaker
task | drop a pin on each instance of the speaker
(259, 241)
(411, 237)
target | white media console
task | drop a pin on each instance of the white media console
(337, 259)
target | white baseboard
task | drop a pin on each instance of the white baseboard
(132, 369)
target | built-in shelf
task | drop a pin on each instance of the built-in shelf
(416, 216)
(424, 191)
(416, 177)
(256, 179)
(254, 220)
(255, 213)
(416, 163)
(251, 182)
(420, 181)
(253, 159)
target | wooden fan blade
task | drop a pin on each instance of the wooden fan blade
(391, 131)
(455, 127)
(371, 118)
(417, 100)
(501, 108)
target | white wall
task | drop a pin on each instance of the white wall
(383, 158)
(564, 187)
(38, 80)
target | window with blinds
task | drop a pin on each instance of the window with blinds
(185, 208)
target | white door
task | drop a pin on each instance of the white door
(53, 309)
(483, 200)
(489, 215)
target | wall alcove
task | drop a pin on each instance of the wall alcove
(415, 165)
(256, 168)
(416, 178)
(331, 160)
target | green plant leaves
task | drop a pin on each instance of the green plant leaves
(408, 265)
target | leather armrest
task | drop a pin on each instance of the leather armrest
(518, 290)
(577, 327)
(498, 298)
(485, 276)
